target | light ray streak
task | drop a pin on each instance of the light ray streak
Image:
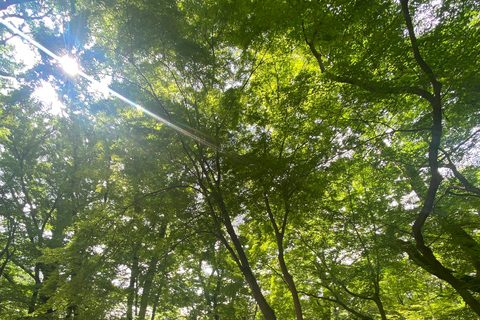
(96, 85)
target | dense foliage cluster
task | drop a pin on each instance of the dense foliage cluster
(317, 159)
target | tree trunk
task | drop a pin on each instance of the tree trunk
(38, 283)
(147, 286)
(156, 297)
(379, 304)
(243, 263)
(290, 282)
(131, 288)
(215, 300)
(279, 234)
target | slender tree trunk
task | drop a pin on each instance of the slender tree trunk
(290, 282)
(215, 300)
(379, 304)
(279, 235)
(8, 254)
(132, 288)
(7, 259)
(46, 271)
(156, 297)
(147, 286)
(136, 298)
(243, 263)
(38, 283)
(238, 254)
(435, 176)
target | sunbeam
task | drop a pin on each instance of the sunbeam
(71, 67)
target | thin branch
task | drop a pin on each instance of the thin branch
(270, 215)
(380, 87)
(49, 214)
(311, 45)
(339, 302)
(187, 237)
(465, 141)
(6, 75)
(461, 194)
(413, 39)
(154, 193)
(468, 186)
(278, 274)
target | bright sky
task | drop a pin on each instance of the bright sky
(28, 55)
(47, 95)
(24, 52)
(73, 69)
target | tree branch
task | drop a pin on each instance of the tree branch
(468, 186)
(6, 75)
(413, 39)
(311, 45)
(339, 302)
(154, 193)
(380, 87)
(436, 103)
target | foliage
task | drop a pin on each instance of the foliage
(307, 159)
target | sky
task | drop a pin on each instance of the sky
(47, 94)
(28, 55)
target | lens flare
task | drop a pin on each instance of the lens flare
(70, 66)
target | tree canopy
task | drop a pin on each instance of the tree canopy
(251, 160)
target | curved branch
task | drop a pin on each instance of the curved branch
(154, 193)
(436, 103)
(468, 186)
(377, 87)
(339, 302)
(311, 45)
(413, 39)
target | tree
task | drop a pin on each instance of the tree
(306, 160)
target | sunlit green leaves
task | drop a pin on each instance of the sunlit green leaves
(321, 118)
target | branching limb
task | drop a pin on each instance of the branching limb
(311, 45)
(154, 193)
(340, 303)
(436, 103)
(49, 12)
(461, 194)
(468, 186)
(413, 39)
(380, 87)
(464, 141)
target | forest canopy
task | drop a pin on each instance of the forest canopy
(240, 159)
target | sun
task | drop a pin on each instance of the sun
(69, 65)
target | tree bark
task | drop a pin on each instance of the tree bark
(279, 235)
(156, 297)
(435, 176)
(38, 283)
(147, 286)
(379, 304)
(243, 263)
(131, 288)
